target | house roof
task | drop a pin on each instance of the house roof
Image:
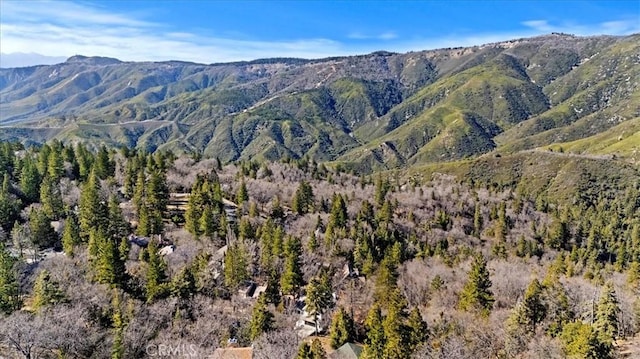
(347, 351)
(233, 353)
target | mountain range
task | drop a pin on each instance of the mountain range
(558, 93)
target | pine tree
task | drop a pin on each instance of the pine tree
(477, 221)
(633, 276)
(242, 195)
(183, 285)
(104, 166)
(70, 235)
(397, 345)
(51, 198)
(558, 307)
(607, 313)
(319, 296)
(261, 319)
(582, 341)
(277, 212)
(342, 329)
(9, 285)
(291, 279)
(304, 351)
(376, 340)
(316, 350)
(55, 165)
(535, 310)
(93, 211)
(9, 207)
(30, 181)
(418, 330)
(42, 234)
(382, 187)
(108, 262)
(476, 294)
(119, 325)
(502, 227)
(338, 217)
(386, 279)
(272, 293)
(245, 229)
(157, 195)
(45, 291)
(303, 198)
(155, 274)
(208, 226)
(235, 265)
(117, 226)
(312, 244)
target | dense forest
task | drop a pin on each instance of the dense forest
(117, 253)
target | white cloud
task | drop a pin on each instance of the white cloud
(20, 59)
(617, 27)
(63, 29)
(356, 35)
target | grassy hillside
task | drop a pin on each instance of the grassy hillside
(376, 111)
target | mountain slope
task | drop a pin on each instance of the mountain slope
(382, 110)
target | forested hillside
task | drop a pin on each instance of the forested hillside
(369, 112)
(117, 253)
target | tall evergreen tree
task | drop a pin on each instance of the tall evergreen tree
(9, 285)
(108, 261)
(235, 265)
(242, 195)
(304, 351)
(46, 291)
(476, 294)
(70, 235)
(30, 180)
(104, 166)
(156, 276)
(418, 330)
(92, 209)
(261, 319)
(9, 206)
(342, 329)
(303, 199)
(582, 341)
(607, 313)
(477, 221)
(319, 296)
(55, 165)
(291, 279)
(376, 339)
(42, 234)
(51, 198)
(316, 350)
(119, 325)
(397, 345)
(117, 226)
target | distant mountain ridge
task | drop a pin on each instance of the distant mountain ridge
(377, 111)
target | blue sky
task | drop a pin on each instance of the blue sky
(219, 31)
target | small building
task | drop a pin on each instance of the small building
(233, 353)
(141, 242)
(347, 351)
(247, 290)
(166, 250)
(259, 290)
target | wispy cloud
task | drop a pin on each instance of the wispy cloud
(389, 35)
(65, 29)
(617, 27)
(57, 28)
